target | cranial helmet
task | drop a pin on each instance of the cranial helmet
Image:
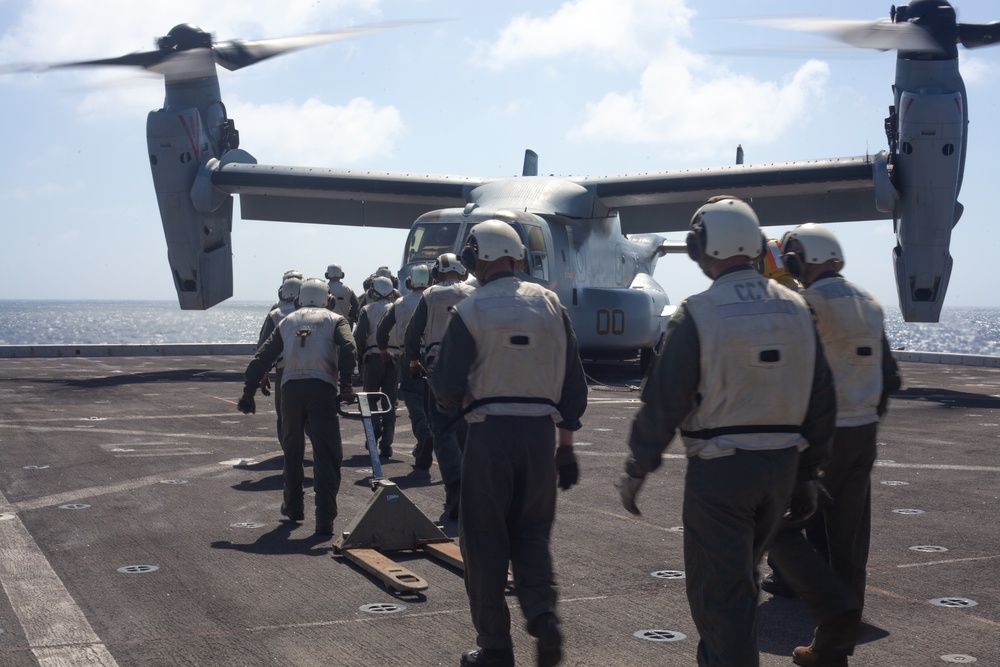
(724, 228)
(382, 286)
(489, 241)
(290, 289)
(811, 244)
(447, 263)
(420, 276)
(314, 292)
(383, 271)
(334, 272)
(291, 274)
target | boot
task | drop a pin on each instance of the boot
(488, 657)
(545, 628)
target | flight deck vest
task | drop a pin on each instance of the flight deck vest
(402, 310)
(438, 299)
(374, 311)
(340, 297)
(520, 359)
(758, 355)
(850, 325)
(309, 344)
(278, 313)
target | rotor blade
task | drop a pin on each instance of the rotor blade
(239, 53)
(145, 59)
(972, 35)
(882, 35)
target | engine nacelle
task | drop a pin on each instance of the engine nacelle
(199, 247)
(929, 163)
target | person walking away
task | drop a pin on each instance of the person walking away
(751, 454)
(379, 373)
(413, 390)
(420, 342)
(288, 293)
(343, 301)
(319, 355)
(509, 362)
(828, 570)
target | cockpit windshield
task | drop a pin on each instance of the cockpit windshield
(427, 240)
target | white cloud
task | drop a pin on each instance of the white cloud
(605, 32)
(692, 103)
(315, 133)
(683, 100)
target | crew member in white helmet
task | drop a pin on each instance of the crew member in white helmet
(319, 355)
(342, 298)
(509, 363)
(742, 374)
(413, 391)
(378, 373)
(287, 296)
(828, 571)
(420, 342)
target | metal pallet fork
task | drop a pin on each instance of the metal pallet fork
(391, 522)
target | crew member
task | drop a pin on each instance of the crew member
(342, 298)
(770, 264)
(287, 295)
(831, 579)
(752, 454)
(379, 373)
(380, 272)
(421, 342)
(509, 361)
(389, 337)
(319, 354)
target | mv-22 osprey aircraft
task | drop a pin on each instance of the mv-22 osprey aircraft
(592, 239)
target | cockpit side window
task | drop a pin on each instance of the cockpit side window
(537, 253)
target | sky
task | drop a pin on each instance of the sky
(595, 87)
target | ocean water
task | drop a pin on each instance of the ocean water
(964, 330)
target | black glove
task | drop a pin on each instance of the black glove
(628, 488)
(805, 498)
(265, 386)
(246, 404)
(417, 371)
(567, 467)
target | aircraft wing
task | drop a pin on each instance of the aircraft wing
(787, 193)
(358, 198)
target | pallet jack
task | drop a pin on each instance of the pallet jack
(390, 521)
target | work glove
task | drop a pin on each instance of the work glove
(387, 359)
(417, 370)
(805, 499)
(265, 386)
(246, 404)
(628, 487)
(347, 394)
(567, 467)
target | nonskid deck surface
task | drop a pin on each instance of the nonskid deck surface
(140, 525)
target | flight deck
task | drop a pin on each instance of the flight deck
(140, 525)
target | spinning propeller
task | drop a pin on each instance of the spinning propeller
(187, 51)
(927, 26)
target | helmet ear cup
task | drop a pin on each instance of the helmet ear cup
(468, 258)
(793, 264)
(695, 241)
(694, 245)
